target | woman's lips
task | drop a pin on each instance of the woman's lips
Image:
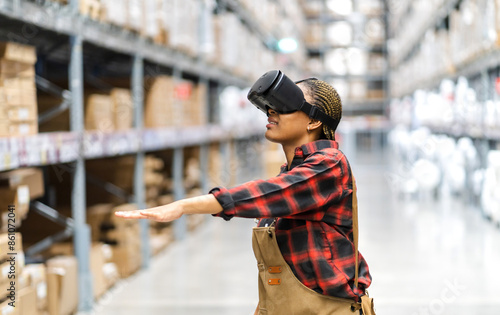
(271, 123)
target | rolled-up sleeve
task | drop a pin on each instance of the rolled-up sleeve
(301, 193)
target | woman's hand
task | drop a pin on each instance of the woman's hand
(206, 204)
(166, 213)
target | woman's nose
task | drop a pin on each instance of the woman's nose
(271, 111)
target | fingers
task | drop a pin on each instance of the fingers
(138, 214)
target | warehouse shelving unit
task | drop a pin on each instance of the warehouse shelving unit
(324, 17)
(480, 65)
(31, 22)
(418, 26)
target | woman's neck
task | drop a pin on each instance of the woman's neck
(289, 148)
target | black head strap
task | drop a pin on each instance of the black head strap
(316, 113)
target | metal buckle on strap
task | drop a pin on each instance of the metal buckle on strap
(271, 226)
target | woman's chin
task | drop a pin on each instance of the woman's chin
(269, 136)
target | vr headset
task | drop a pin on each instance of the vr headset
(274, 90)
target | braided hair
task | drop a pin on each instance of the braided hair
(325, 97)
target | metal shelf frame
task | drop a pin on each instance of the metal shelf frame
(487, 60)
(78, 145)
(411, 42)
(69, 22)
(357, 19)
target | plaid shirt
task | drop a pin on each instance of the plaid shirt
(313, 205)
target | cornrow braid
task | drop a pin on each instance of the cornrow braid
(325, 97)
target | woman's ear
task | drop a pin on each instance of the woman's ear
(314, 125)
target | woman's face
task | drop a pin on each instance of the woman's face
(288, 128)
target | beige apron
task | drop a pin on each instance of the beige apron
(281, 293)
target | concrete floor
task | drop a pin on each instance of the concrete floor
(425, 258)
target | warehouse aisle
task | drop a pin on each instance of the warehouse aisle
(425, 257)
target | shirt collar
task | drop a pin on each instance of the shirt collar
(302, 152)
(311, 147)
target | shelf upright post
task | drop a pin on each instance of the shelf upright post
(205, 147)
(137, 83)
(205, 37)
(78, 194)
(386, 82)
(180, 225)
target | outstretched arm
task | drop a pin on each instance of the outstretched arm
(206, 204)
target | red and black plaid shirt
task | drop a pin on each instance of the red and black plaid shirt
(313, 205)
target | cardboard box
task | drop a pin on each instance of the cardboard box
(6, 309)
(159, 103)
(97, 262)
(111, 274)
(99, 113)
(11, 264)
(27, 302)
(92, 8)
(18, 52)
(38, 281)
(9, 69)
(128, 259)
(62, 285)
(153, 163)
(123, 109)
(21, 113)
(12, 129)
(12, 93)
(19, 197)
(5, 247)
(152, 179)
(31, 177)
(97, 215)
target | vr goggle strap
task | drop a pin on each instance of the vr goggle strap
(316, 113)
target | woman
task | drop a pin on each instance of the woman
(304, 243)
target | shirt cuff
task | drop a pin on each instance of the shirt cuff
(226, 201)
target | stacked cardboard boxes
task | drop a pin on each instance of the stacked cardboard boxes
(93, 9)
(161, 233)
(104, 271)
(153, 179)
(17, 189)
(171, 103)
(11, 267)
(62, 285)
(123, 109)
(99, 113)
(159, 102)
(37, 280)
(123, 236)
(109, 112)
(18, 106)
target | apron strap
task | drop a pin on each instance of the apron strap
(355, 228)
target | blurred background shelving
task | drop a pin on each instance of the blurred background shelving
(112, 104)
